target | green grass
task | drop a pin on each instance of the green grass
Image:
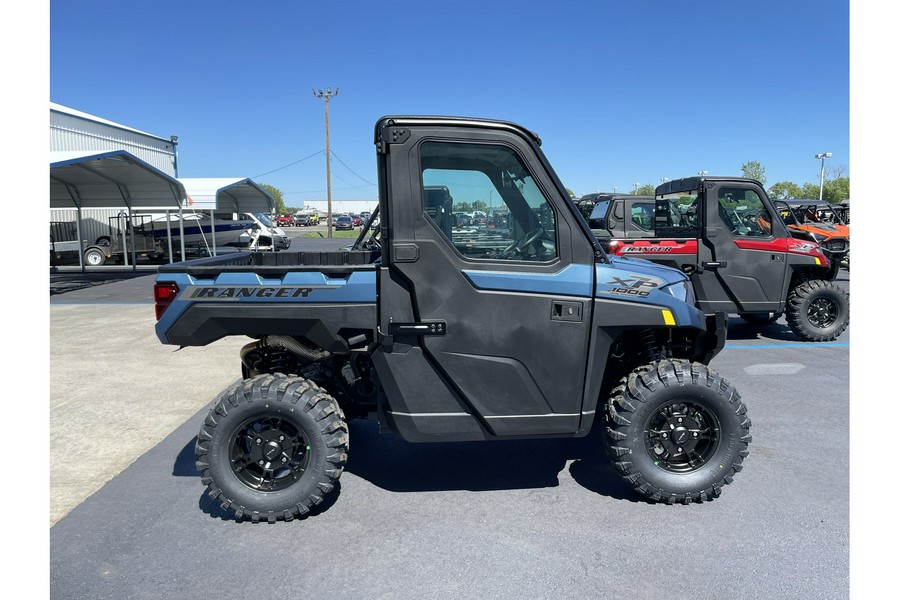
(335, 234)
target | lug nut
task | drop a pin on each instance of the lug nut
(258, 441)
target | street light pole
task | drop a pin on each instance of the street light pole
(635, 184)
(823, 156)
(327, 95)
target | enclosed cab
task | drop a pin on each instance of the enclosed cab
(741, 256)
(443, 332)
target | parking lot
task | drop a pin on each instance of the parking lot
(512, 519)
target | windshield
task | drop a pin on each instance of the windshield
(263, 219)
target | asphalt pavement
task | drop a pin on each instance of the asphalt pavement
(510, 519)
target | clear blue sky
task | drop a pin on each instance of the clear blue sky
(620, 92)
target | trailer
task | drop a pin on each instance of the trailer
(127, 238)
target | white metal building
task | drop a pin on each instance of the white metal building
(99, 169)
(75, 131)
(340, 206)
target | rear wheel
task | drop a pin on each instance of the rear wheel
(677, 431)
(272, 447)
(818, 311)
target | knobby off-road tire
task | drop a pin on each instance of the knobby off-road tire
(818, 311)
(272, 447)
(676, 431)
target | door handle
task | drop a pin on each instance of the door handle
(714, 265)
(565, 311)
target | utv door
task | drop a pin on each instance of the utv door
(485, 326)
(742, 254)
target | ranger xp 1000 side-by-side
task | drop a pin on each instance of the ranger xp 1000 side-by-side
(741, 256)
(519, 326)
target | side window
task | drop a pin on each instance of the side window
(642, 215)
(485, 202)
(743, 213)
(676, 215)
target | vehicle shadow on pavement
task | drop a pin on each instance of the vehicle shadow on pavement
(391, 463)
(738, 329)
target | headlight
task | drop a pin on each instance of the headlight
(683, 290)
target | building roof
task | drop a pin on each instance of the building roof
(83, 115)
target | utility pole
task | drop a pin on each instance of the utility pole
(823, 156)
(327, 95)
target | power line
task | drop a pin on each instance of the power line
(358, 187)
(289, 165)
(351, 170)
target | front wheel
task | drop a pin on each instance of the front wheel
(272, 447)
(818, 310)
(677, 431)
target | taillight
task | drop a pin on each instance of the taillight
(163, 294)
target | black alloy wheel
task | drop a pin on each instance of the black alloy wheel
(268, 453)
(823, 312)
(682, 436)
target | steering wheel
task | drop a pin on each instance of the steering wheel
(519, 246)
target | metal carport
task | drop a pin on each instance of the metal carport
(110, 180)
(216, 194)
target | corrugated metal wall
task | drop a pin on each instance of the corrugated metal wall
(73, 133)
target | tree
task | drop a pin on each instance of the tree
(645, 190)
(754, 170)
(277, 195)
(836, 172)
(570, 193)
(784, 190)
(809, 191)
(836, 190)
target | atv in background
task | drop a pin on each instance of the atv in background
(823, 221)
(742, 259)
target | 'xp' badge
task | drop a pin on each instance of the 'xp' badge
(633, 285)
